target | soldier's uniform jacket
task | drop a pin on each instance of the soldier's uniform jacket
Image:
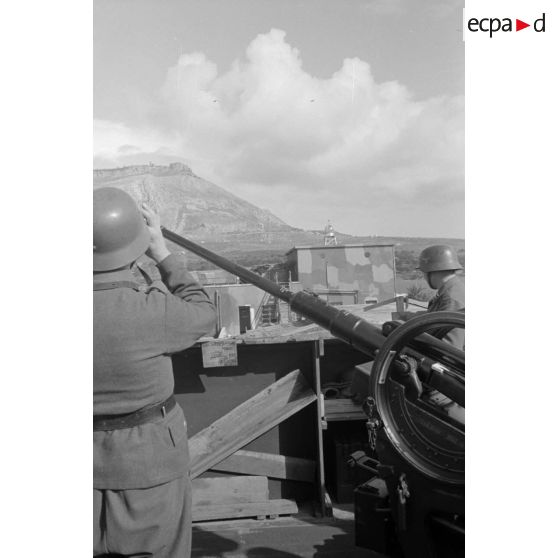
(450, 298)
(135, 332)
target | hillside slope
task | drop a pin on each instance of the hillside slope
(190, 205)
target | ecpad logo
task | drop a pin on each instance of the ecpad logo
(494, 24)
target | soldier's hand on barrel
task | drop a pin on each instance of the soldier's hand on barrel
(157, 249)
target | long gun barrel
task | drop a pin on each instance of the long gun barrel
(352, 329)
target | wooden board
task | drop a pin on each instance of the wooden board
(271, 508)
(229, 490)
(343, 409)
(269, 465)
(248, 421)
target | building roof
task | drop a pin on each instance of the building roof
(321, 247)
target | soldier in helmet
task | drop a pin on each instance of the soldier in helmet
(141, 486)
(439, 265)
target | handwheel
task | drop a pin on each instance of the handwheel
(421, 432)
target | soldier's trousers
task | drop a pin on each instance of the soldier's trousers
(148, 522)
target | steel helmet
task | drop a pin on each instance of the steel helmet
(440, 257)
(120, 235)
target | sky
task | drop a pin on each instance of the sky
(350, 111)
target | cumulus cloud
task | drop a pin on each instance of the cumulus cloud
(115, 143)
(267, 129)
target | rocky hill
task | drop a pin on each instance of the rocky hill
(196, 208)
(192, 206)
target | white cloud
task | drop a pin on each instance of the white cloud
(266, 128)
(113, 141)
(383, 7)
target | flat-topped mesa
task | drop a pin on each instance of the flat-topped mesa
(135, 170)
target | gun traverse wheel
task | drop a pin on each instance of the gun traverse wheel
(428, 439)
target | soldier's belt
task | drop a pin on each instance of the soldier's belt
(143, 416)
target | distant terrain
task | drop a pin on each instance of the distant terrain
(253, 237)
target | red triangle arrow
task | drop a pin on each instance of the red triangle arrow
(519, 25)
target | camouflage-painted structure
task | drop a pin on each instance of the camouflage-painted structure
(349, 274)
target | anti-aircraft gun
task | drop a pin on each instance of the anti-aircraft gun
(417, 499)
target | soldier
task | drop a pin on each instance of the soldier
(439, 264)
(141, 484)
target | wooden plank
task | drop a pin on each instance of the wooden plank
(271, 508)
(343, 409)
(229, 490)
(249, 420)
(269, 465)
(360, 383)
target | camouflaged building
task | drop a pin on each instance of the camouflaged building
(349, 274)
